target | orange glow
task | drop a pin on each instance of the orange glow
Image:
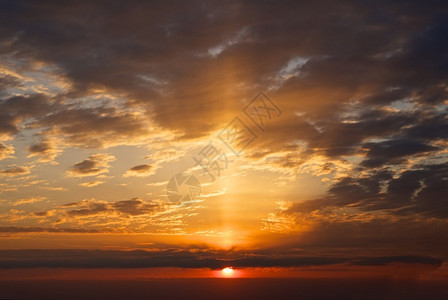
(394, 271)
(227, 271)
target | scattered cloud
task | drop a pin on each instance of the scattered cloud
(92, 166)
(6, 151)
(15, 171)
(45, 151)
(91, 183)
(30, 200)
(140, 170)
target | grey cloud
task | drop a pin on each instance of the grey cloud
(85, 167)
(95, 127)
(181, 258)
(8, 82)
(132, 207)
(394, 151)
(140, 170)
(16, 229)
(89, 209)
(93, 165)
(16, 109)
(357, 48)
(6, 151)
(39, 148)
(422, 191)
(14, 171)
(135, 207)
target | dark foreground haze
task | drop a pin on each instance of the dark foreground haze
(225, 289)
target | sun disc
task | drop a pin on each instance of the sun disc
(227, 271)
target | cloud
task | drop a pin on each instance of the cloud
(87, 208)
(54, 188)
(368, 72)
(7, 81)
(44, 150)
(111, 210)
(131, 207)
(123, 216)
(15, 229)
(135, 206)
(394, 151)
(96, 127)
(92, 166)
(140, 170)
(237, 38)
(15, 171)
(16, 109)
(91, 183)
(417, 191)
(30, 200)
(182, 258)
(6, 151)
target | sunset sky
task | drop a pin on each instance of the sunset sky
(315, 131)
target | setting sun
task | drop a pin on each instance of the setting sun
(227, 271)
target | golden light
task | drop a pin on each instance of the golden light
(227, 271)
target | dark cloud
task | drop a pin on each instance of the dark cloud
(361, 235)
(7, 125)
(8, 82)
(433, 127)
(371, 261)
(358, 53)
(179, 258)
(135, 207)
(44, 150)
(15, 229)
(360, 43)
(95, 127)
(6, 151)
(39, 148)
(15, 171)
(140, 170)
(340, 138)
(421, 191)
(394, 151)
(88, 209)
(14, 110)
(92, 207)
(93, 165)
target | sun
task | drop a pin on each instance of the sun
(227, 271)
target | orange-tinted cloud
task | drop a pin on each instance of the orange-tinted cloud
(92, 166)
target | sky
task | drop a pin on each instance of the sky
(199, 135)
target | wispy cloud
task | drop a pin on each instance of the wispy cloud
(140, 171)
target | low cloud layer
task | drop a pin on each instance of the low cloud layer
(182, 259)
